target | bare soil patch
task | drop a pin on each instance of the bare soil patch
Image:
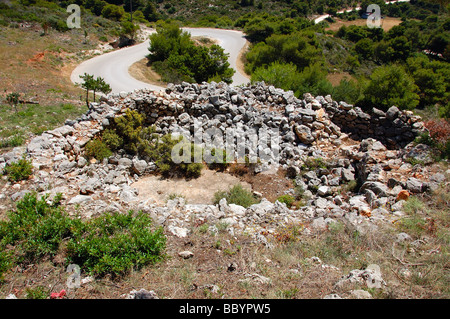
(143, 72)
(386, 23)
(196, 191)
(335, 78)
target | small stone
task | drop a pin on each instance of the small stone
(402, 195)
(360, 294)
(186, 254)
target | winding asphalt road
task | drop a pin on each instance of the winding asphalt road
(113, 66)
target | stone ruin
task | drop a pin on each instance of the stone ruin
(370, 148)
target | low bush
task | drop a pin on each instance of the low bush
(221, 163)
(35, 229)
(108, 244)
(236, 195)
(97, 149)
(111, 139)
(176, 161)
(286, 199)
(20, 170)
(115, 243)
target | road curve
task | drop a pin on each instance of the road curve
(113, 66)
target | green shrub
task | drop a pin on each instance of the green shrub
(135, 138)
(286, 199)
(236, 195)
(170, 162)
(111, 139)
(220, 164)
(311, 164)
(97, 149)
(13, 141)
(114, 243)
(35, 229)
(5, 263)
(37, 293)
(20, 170)
(110, 243)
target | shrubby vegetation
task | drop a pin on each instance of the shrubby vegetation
(236, 195)
(20, 170)
(108, 244)
(406, 66)
(130, 133)
(176, 57)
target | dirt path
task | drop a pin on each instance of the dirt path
(196, 191)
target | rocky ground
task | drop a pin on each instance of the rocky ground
(311, 150)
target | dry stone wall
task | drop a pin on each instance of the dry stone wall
(311, 127)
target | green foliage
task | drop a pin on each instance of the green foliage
(97, 149)
(95, 85)
(113, 12)
(286, 199)
(220, 160)
(20, 170)
(300, 48)
(116, 243)
(236, 195)
(349, 91)
(110, 243)
(173, 54)
(313, 163)
(286, 76)
(391, 85)
(12, 141)
(35, 229)
(132, 135)
(129, 29)
(37, 293)
(177, 156)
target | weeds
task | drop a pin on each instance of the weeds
(97, 149)
(236, 195)
(20, 170)
(108, 244)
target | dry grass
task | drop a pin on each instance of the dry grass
(335, 78)
(38, 68)
(387, 23)
(143, 72)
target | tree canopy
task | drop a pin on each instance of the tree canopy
(173, 51)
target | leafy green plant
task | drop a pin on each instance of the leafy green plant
(115, 243)
(236, 195)
(20, 170)
(35, 228)
(37, 293)
(112, 139)
(286, 199)
(221, 163)
(97, 149)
